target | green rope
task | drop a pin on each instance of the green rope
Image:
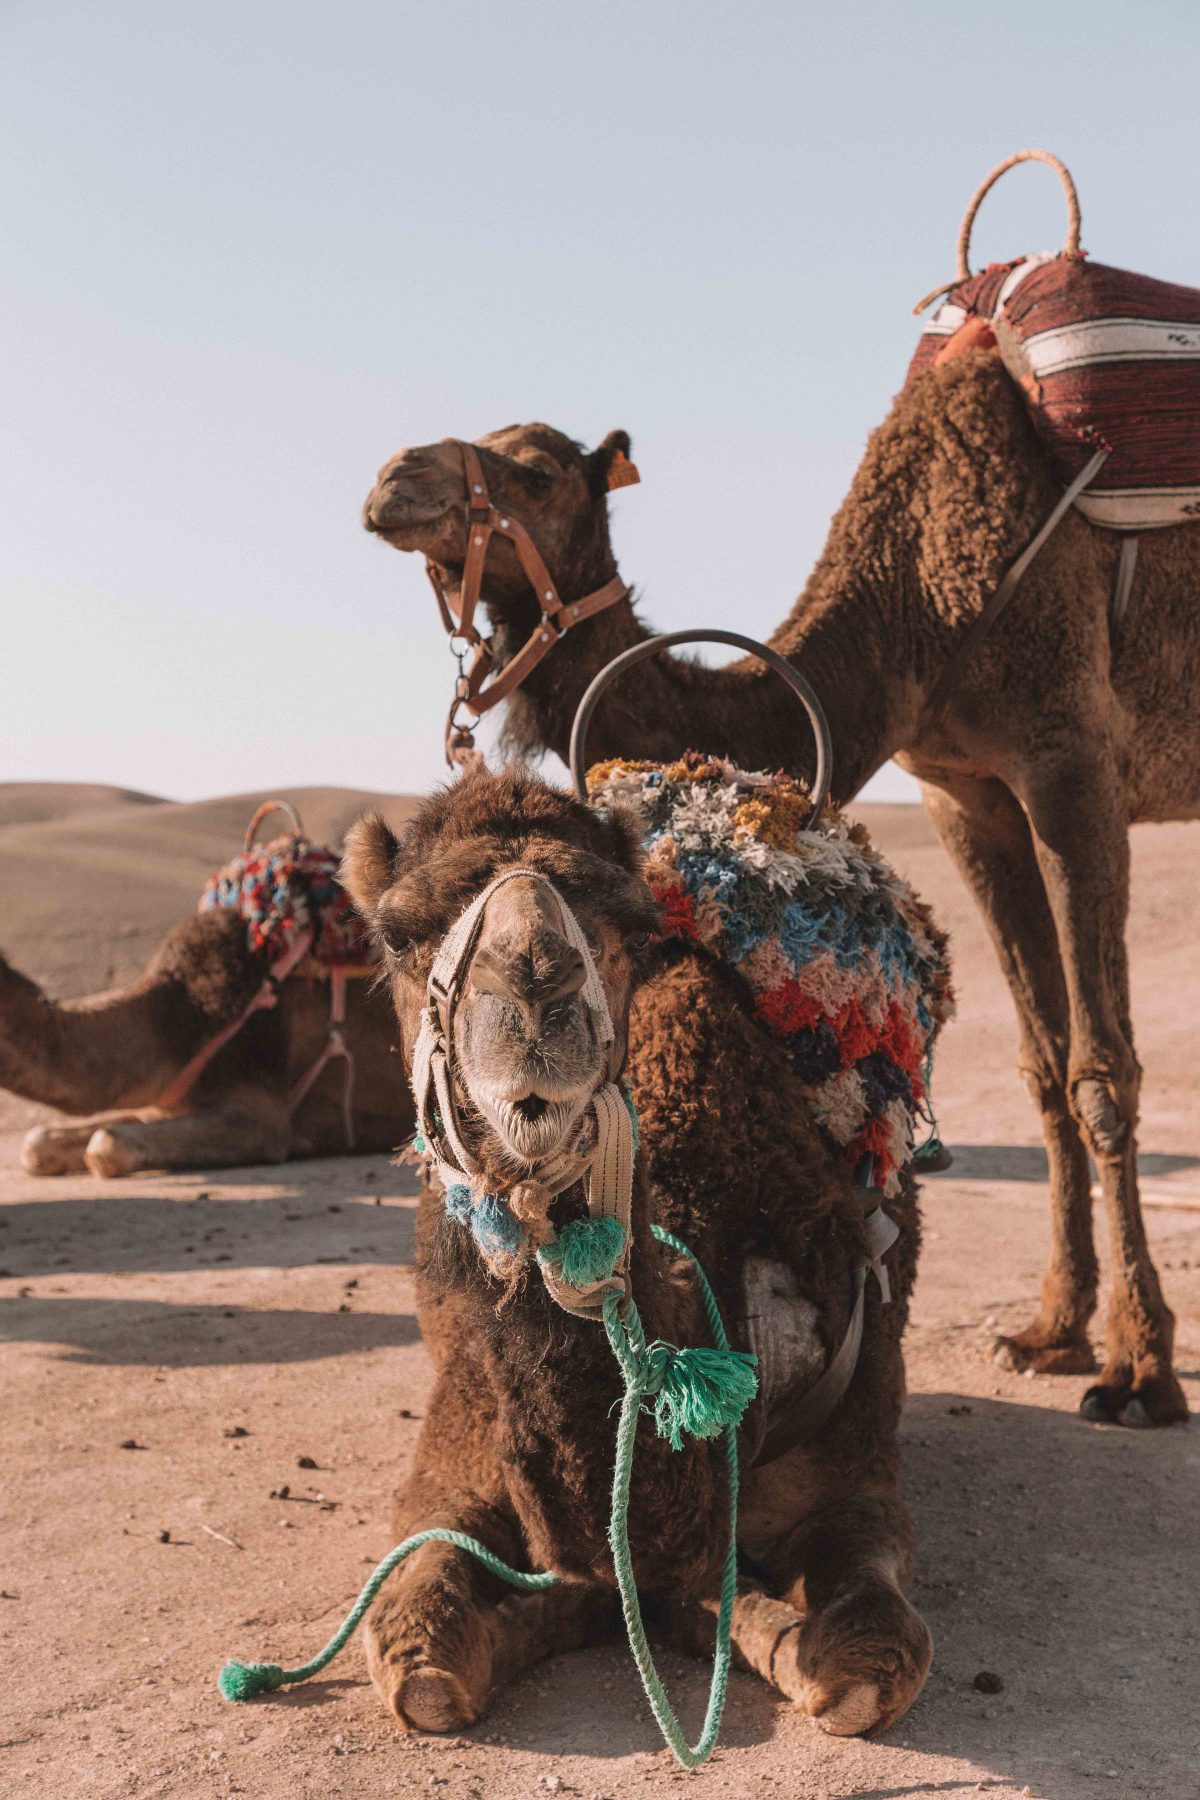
(932, 1149)
(244, 1681)
(629, 1347)
(703, 1395)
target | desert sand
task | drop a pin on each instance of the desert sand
(173, 1346)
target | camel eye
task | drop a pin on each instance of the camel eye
(394, 941)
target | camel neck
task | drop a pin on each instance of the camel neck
(671, 704)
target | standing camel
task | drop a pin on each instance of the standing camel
(1058, 735)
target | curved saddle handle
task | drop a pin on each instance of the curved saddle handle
(799, 686)
(1071, 244)
(963, 248)
(264, 811)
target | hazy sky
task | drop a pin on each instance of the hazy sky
(252, 248)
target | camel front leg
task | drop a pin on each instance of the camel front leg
(860, 1654)
(839, 1639)
(248, 1127)
(444, 1634)
(985, 830)
(1081, 837)
(59, 1149)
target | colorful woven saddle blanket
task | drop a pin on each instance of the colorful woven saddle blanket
(284, 888)
(841, 962)
(1105, 359)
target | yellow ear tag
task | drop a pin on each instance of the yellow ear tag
(621, 472)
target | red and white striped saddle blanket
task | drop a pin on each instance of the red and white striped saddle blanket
(1105, 359)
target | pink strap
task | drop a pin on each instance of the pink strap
(181, 1086)
(335, 1045)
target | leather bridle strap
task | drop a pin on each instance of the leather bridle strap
(951, 675)
(480, 685)
(809, 1410)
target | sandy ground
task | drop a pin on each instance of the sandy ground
(229, 1325)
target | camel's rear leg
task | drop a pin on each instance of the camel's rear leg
(1078, 809)
(58, 1149)
(249, 1127)
(987, 835)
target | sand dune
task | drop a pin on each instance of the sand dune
(38, 802)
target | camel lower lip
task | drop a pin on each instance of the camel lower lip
(399, 517)
(537, 1138)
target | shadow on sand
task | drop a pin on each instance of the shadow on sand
(159, 1334)
(1027, 1162)
(156, 1233)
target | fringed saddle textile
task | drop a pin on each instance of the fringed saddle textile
(841, 961)
(287, 887)
(1104, 358)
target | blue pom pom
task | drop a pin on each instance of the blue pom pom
(494, 1228)
(245, 1681)
(458, 1202)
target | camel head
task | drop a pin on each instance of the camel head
(554, 487)
(527, 1054)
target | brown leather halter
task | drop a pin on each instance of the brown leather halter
(473, 688)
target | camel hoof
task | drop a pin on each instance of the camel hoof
(859, 1663)
(854, 1714)
(1146, 1405)
(1017, 1355)
(107, 1157)
(433, 1700)
(1099, 1406)
(42, 1155)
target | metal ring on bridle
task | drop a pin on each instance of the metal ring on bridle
(799, 686)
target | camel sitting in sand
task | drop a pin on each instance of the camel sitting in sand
(517, 1446)
(209, 1059)
(1060, 733)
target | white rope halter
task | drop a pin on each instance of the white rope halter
(605, 1164)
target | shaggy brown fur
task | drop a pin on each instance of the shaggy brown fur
(113, 1054)
(1057, 738)
(517, 1445)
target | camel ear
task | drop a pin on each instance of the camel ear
(609, 465)
(368, 861)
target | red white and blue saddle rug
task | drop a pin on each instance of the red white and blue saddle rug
(842, 963)
(287, 887)
(1105, 359)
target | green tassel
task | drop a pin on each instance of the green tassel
(244, 1681)
(587, 1250)
(702, 1391)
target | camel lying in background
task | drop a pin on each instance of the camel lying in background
(518, 1441)
(1059, 734)
(113, 1055)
